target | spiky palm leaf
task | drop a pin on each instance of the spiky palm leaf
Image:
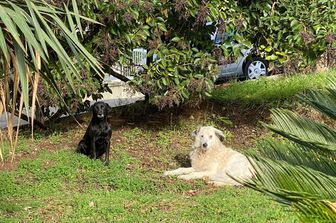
(303, 131)
(323, 101)
(301, 170)
(36, 37)
(28, 33)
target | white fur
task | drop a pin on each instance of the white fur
(211, 160)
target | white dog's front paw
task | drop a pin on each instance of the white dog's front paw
(167, 173)
(185, 177)
(216, 183)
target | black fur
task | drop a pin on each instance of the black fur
(96, 140)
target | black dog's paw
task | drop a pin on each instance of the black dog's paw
(82, 148)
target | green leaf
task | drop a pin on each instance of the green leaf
(176, 39)
(208, 94)
(21, 64)
(10, 26)
(300, 171)
(165, 81)
(37, 27)
(162, 26)
(293, 23)
(90, 59)
(268, 49)
(185, 93)
(159, 84)
(76, 12)
(70, 21)
(195, 49)
(148, 20)
(271, 57)
(3, 46)
(26, 30)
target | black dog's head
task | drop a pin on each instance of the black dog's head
(100, 110)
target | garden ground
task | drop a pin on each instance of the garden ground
(49, 182)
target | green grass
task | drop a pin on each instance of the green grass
(62, 186)
(82, 190)
(268, 90)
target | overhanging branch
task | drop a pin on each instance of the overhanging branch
(110, 71)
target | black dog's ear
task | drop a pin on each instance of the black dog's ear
(108, 107)
(219, 134)
(195, 132)
(91, 108)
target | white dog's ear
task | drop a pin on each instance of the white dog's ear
(219, 134)
(195, 132)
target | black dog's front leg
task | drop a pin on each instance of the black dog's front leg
(93, 148)
(107, 153)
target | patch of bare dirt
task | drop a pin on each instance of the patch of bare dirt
(245, 128)
(244, 125)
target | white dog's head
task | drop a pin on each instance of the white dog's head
(207, 136)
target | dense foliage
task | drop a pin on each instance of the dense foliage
(290, 33)
(174, 31)
(294, 32)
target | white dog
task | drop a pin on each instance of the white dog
(212, 160)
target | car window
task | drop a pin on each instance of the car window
(222, 36)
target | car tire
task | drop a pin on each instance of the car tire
(256, 68)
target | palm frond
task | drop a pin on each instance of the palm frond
(76, 17)
(300, 170)
(321, 101)
(33, 27)
(309, 209)
(279, 176)
(316, 211)
(295, 155)
(3, 46)
(303, 131)
(34, 20)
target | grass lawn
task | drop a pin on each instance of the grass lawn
(54, 184)
(268, 90)
(49, 182)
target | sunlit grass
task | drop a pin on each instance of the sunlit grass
(268, 90)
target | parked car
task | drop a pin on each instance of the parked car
(249, 65)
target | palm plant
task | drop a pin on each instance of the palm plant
(300, 170)
(36, 41)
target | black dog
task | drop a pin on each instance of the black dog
(96, 140)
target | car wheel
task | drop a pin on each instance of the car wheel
(256, 68)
